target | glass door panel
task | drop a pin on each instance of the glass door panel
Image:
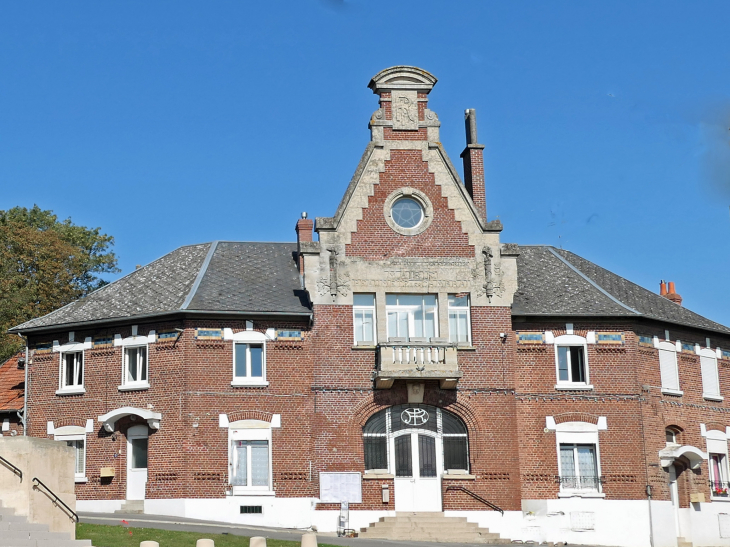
(403, 458)
(426, 456)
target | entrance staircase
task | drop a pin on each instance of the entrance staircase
(424, 526)
(132, 506)
(16, 531)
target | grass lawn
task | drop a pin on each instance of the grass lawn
(119, 536)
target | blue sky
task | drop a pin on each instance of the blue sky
(169, 123)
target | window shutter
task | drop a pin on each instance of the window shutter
(710, 383)
(668, 367)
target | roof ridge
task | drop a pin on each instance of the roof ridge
(591, 281)
(201, 274)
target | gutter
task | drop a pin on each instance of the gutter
(182, 313)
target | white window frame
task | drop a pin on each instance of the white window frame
(710, 374)
(466, 308)
(357, 308)
(134, 341)
(128, 384)
(74, 433)
(250, 337)
(411, 309)
(568, 340)
(575, 433)
(716, 443)
(63, 350)
(249, 430)
(670, 380)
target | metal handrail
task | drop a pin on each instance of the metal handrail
(56, 500)
(12, 468)
(476, 497)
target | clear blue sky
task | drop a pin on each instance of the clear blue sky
(170, 123)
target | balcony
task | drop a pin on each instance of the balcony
(417, 359)
(586, 482)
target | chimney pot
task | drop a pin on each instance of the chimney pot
(662, 288)
(672, 295)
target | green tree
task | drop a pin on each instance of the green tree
(45, 264)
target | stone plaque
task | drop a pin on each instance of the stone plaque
(404, 106)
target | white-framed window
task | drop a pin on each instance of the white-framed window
(75, 437)
(72, 373)
(248, 362)
(668, 367)
(717, 460)
(571, 362)
(249, 457)
(710, 378)
(363, 318)
(459, 318)
(249, 357)
(71, 366)
(135, 360)
(135, 366)
(579, 462)
(411, 315)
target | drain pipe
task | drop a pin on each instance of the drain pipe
(651, 524)
(25, 389)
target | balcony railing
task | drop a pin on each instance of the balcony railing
(719, 489)
(588, 482)
(418, 358)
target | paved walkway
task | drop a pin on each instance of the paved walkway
(137, 520)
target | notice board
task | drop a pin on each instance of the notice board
(339, 487)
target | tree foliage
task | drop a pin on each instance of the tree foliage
(45, 264)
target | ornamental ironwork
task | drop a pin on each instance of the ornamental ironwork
(414, 416)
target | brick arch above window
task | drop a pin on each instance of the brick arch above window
(576, 417)
(249, 415)
(64, 422)
(716, 426)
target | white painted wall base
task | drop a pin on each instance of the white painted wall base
(620, 523)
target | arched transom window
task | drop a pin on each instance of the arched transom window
(441, 437)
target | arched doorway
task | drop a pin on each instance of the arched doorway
(416, 444)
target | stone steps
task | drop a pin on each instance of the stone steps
(429, 527)
(16, 531)
(132, 506)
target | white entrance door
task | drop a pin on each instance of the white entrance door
(674, 496)
(137, 438)
(417, 471)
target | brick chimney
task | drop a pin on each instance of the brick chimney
(304, 229)
(668, 291)
(473, 156)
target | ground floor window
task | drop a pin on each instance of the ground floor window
(250, 457)
(579, 467)
(74, 437)
(718, 475)
(250, 463)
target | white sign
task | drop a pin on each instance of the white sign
(339, 487)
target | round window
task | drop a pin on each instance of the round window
(407, 213)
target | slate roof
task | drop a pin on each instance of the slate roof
(556, 282)
(211, 277)
(12, 384)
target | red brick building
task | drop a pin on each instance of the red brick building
(406, 360)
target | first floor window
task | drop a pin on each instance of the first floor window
(248, 362)
(72, 374)
(718, 475)
(250, 464)
(411, 315)
(135, 365)
(363, 316)
(579, 467)
(572, 364)
(459, 318)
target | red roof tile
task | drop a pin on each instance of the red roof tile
(12, 384)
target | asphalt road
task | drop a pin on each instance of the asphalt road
(212, 527)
